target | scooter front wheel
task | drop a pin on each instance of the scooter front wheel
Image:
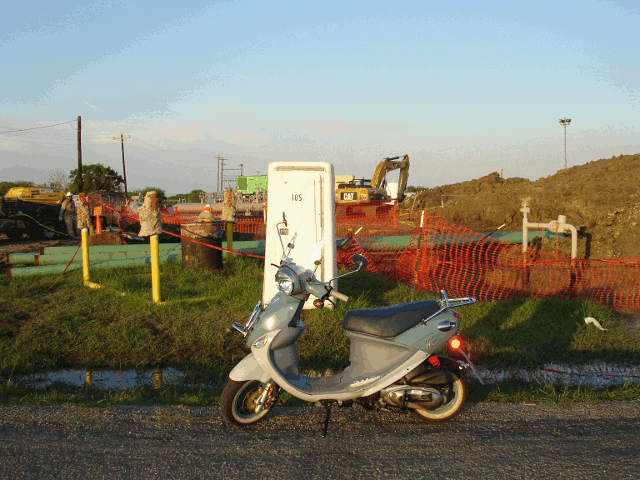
(455, 394)
(239, 402)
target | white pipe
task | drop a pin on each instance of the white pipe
(562, 226)
(558, 226)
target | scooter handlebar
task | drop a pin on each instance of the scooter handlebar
(338, 295)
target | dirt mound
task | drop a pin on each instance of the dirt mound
(601, 199)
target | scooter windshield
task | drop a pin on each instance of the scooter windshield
(303, 245)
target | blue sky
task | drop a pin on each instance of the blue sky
(465, 88)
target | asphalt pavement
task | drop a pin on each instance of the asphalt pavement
(488, 440)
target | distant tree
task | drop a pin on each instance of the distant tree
(192, 196)
(96, 177)
(5, 186)
(160, 194)
(59, 179)
(415, 189)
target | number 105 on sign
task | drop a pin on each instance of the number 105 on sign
(296, 197)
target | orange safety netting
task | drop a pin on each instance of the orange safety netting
(463, 262)
(443, 256)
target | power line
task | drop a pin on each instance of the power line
(152, 146)
(28, 136)
(35, 128)
(54, 131)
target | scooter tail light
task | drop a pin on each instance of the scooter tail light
(455, 343)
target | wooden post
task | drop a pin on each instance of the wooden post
(80, 154)
(229, 241)
(124, 170)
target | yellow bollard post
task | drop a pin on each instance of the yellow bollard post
(229, 241)
(85, 259)
(85, 254)
(155, 268)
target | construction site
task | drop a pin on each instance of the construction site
(581, 240)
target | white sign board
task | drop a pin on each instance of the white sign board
(304, 192)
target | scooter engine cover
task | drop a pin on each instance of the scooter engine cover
(389, 321)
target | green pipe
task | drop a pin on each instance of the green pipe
(107, 248)
(19, 258)
(98, 257)
(52, 259)
(253, 247)
(132, 255)
(516, 237)
(256, 247)
(399, 241)
(53, 269)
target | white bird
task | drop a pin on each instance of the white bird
(589, 320)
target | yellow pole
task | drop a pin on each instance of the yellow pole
(229, 241)
(85, 254)
(155, 268)
(85, 259)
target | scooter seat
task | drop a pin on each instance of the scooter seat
(389, 321)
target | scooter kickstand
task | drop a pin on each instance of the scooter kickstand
(327, 406)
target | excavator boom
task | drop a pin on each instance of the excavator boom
(390, 164)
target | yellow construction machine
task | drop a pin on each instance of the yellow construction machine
(32, 210)
(365, 191)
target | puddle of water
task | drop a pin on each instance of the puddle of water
(583, 375)
(106, 379)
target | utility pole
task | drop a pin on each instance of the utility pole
(564, 122)
(79, 154)
(220, 182)
(230, 169)
(124, 170)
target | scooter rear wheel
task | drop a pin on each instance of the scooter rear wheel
(455, 394)
(239, 401)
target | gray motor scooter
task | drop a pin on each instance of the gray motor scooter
(393, 365)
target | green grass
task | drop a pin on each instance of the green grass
(515, 391)
(48, 323)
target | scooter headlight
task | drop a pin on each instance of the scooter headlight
(287, 281)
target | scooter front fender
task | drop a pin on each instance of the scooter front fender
(249, 369)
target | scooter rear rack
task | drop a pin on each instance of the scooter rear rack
(446, 304)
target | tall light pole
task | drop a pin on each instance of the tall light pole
(564, 122)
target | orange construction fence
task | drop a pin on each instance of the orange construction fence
(443, 256)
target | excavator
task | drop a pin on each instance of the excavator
(365, 191)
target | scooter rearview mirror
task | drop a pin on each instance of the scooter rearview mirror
(359, 261)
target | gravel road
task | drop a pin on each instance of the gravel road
(489, 440)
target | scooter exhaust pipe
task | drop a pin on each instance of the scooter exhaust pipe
(412, 397)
